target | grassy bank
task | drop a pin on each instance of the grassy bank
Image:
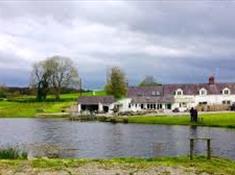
(27, 106)
(213, 120)
(225, 119)
(127, 166)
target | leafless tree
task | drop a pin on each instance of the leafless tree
(54, 73)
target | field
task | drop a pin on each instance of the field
(119, 166)
(26, 106)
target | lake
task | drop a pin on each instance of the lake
(41, 137)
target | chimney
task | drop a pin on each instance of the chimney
(211, 80)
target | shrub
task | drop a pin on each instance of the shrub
(39, 110)
(12, 153)
(125, 120)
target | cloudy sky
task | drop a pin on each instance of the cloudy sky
(176, 41)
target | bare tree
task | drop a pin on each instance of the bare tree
(63, 74)
(54, 73)
(40, 78)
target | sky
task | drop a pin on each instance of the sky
(174, 41)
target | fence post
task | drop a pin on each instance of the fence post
(191, 148)
(208, 149)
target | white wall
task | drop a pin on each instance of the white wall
(79, 108)
(183, 102)
(123, 104)
(194, 100)
(214, 99)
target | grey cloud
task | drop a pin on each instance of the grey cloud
(175, 41)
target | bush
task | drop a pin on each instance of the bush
(125, 120)
(39, 110)
(12, 153)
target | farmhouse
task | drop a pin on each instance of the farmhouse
(168, 97)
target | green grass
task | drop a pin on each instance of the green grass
(27, 106)
(30, 109)
(199, 165)
(214, 120)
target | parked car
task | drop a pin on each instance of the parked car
(176, 110)
(233, 107)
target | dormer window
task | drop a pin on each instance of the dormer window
(155, 93)
(202, 91)
(179, 92)
(226, 91)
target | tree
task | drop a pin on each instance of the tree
(54, 73)
(63, 74)
(40, 78)
(148, 81)
(116, 83)
(3, 91)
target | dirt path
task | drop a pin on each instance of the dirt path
(99, 169)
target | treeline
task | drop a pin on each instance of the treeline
(12, 92)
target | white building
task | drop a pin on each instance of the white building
(185, 96)
(96, 104)
(169, 97)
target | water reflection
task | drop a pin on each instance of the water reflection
(99, 140)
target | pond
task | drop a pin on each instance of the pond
(43, 137)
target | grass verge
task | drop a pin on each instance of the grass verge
(167, 165)
(213, 120)
(226, 120)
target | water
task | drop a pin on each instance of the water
(41, 137)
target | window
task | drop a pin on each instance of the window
(226, 102)
(168, 106)
(154, 106)
(179, 92)
(129, 105)
(142, 106)
(203, 91)
(226, 91)
(203, 103)
(155, 93)
(183, 104)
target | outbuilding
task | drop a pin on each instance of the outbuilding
(96, 104)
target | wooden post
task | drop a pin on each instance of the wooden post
(191, 148)
(208, 141)
(80, 87)
(208, 149)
